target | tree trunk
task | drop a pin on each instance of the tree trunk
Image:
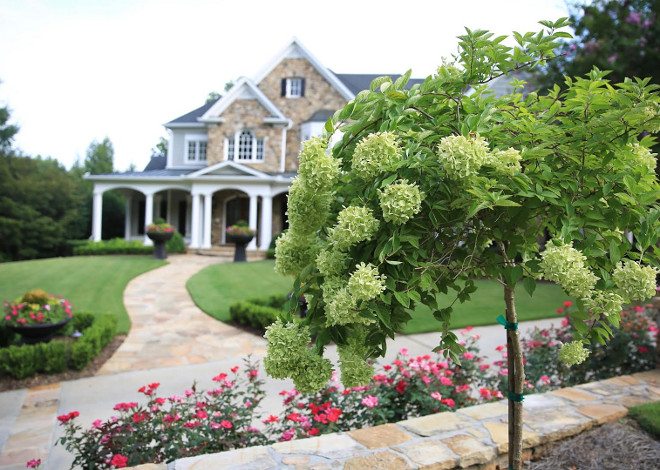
(516, 380)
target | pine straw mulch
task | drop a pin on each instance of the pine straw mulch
(619, 445)
(8, 383)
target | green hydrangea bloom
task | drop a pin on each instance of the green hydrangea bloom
(505, 162)
(331, 285)
(317, 169)
(286, 343)
(365, 283)
(355, 371)
(566, 266)
(573, 353)
(342, 310)
(294, 252)
(354, 224)
(643, 157)
(400, 201)
(331, 262)
(604, 303)
(635, 282)
(313, 372)
(462, 157)
(307, 208)
(374, 154)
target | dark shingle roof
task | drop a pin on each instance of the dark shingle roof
(356, 82)
(193, 115)
(156, 163)
(149, 174)
(321, 115)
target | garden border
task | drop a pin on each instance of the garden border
(474, 438)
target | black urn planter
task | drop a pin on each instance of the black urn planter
(159, 239)
(241, 242)
(38, 333)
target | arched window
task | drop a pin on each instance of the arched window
(245, 147)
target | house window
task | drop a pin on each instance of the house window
(196, 150)
(293, 87)
(245, 147)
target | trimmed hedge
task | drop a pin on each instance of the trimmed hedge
(258, 312)
(119, 246)
(26, 360)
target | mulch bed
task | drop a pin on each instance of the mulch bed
(618, 445)
(8, 383)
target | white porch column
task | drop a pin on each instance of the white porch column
(97, 212)
(208, 205)
(266, 222)
(128, 218)
(148, 216)
(253, 221)
(157, 200)
(195, 222)
(170, 214)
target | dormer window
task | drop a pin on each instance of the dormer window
(196, 149)
(293, 87)
(244, 147)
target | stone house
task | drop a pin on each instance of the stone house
(234, 158)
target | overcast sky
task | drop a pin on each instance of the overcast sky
(73, 71)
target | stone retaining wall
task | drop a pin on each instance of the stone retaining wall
(472, 438)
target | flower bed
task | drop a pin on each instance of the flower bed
(197, 422)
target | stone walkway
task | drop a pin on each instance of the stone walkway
(168, 329)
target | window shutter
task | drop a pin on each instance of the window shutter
(283, 87)
(302, 87)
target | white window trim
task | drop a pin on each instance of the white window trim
(195, 138)
(289, 82)
(253, 158)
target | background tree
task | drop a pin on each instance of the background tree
(430, 189)
(618, 35)
(160, 149)
(99, 158)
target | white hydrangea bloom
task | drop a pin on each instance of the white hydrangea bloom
(461, 157)
(354, 224)
(505, 162)
(400, 201)
(365, 283)
(374, 154)
(567, 267)
(635, 282)
(604, 303)
(573, 353)
(643, 156)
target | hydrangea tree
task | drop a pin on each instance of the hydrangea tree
(433, 187)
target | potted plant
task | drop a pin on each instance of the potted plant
(37, 316)
(240, 234)
(160, 232)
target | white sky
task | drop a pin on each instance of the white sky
(73, 71)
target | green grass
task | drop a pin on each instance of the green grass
(90, 283)
(214, 289)
(648, 417)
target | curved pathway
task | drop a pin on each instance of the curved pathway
(168, 329)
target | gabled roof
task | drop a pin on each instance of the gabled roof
(356, 82)
(228, 168)
(191, 118)
(296, 50)
(156, 163)
(243, 89)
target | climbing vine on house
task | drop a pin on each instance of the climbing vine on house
(433, 187)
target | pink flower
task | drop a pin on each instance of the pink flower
(642, 349)
(254, 373)
(404, 352)
(485, 393)
(634, 17)
(68, 417)
(288, 435)
(504, 372)
(234, 369)
(483, 367)
(449, 402)
(34, 463)
(560, 310)
(445, 381)
(436, 395)
(119, 461)
(568, 303)
(500, 348)
(545, 379)
(370, 401)
(201, 414)
(139, 417)
(96, 424)
(270, 419)
(226, 424)
(468, 355)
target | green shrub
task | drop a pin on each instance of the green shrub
(81, 354)
(250, 314)
(19, 362)
(275, 301)
(82, 320)
(7, 336)
(52, 357)
(270, 253)
(119, 246)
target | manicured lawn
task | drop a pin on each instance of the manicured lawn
(214, 289)
(648, 417)
(90, 283)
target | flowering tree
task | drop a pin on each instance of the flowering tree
(431, 188)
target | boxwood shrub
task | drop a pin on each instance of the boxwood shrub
(119, 246)
(54, 357)
(258, 312)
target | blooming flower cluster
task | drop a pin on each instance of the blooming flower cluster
(506, 162)
(37, 309)
(643, 157)
(331, 262)
(604, 303)
(354, 224)
(355, 371)
(573, 353)
(374, 154)
(160, 226)
(318, 169)
(462, 157)
(635, 282)
(365, 283)
(289, 356)
(567, 267)
(400, 201)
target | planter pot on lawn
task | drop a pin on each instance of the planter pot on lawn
(159, 239)
(241, 242)
(40, 333)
